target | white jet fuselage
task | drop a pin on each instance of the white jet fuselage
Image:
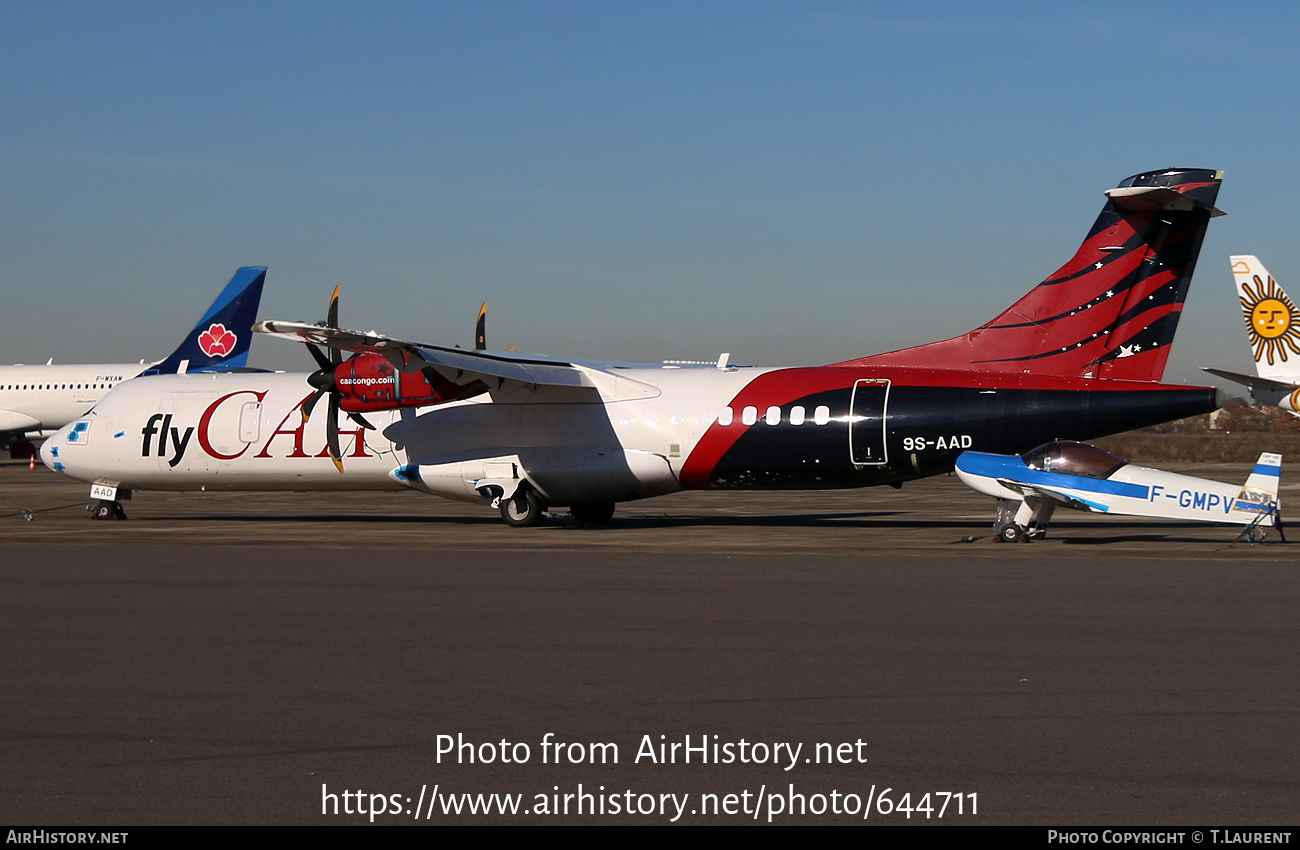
(47, 397)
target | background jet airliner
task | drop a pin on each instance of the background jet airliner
(1031, 486)
(1273, 328)
(42, 398)
(1078, 356)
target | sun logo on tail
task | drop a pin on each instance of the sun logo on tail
(1274, 322)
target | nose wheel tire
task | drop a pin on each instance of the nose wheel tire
(107, 510)
(1011, 533)
(524, 510)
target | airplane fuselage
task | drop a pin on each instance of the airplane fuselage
(40, 398)
(642, 432)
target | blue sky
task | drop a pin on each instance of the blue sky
(795, 183)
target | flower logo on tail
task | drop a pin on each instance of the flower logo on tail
(216, 341)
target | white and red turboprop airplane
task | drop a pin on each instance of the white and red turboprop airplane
(1079, 356)
(1062, 473)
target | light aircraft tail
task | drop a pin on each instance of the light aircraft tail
(1112, 310)
(219, 342)
(1260, 494)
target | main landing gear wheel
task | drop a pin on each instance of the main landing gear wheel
(107, 510)
(597, 514)
(524, 510)
(1011, 533)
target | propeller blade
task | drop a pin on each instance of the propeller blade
(321, 360)
(332, 433)
(325, 383)
(480, 330)
(360, 420)
(310, 404)
(332, 321)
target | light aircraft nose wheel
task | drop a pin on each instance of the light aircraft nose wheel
(1010, 533)
(524, 510)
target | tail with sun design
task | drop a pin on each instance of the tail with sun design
(1112, 310)
(1273, 327)
(1272, 321)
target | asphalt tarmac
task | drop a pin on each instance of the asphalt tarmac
(275, 658)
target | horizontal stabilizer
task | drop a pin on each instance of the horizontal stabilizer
(1253, 381)
(1158, 198)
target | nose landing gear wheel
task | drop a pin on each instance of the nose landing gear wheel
(107, 510)
(1011, 533)
(524, 510)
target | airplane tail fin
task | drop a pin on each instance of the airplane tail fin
(1272, 320)
(1261, 492)
(220, 340)
(1112, 310)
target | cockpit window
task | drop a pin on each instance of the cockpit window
(1073, 459)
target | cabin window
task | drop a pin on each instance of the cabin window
(652, 417)
(796, 415)
(749, 415)
(724, 416)
(773, 416)
(701, 416)
(821, 415)
(677, 417)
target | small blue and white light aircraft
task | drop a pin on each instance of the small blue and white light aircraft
(1031, 486)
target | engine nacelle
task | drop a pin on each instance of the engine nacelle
(369, 382)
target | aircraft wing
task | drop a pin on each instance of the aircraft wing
(1252, 381)
(453, 363)
(1054, 495)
